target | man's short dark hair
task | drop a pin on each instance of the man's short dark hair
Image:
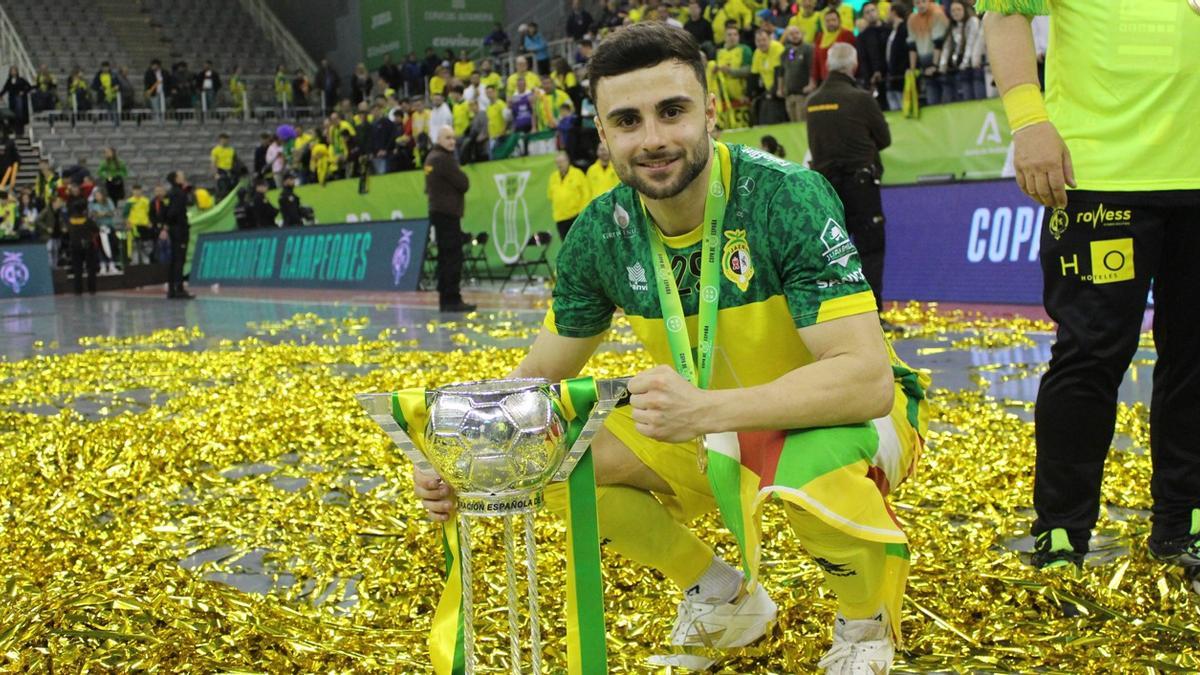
(643, 45)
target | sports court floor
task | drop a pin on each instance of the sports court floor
(191, 485)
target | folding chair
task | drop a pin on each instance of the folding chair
(534, 255)
(475, 263)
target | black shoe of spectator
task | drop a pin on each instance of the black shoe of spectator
(457, 308)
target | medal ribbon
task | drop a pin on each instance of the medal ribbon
(668, 292)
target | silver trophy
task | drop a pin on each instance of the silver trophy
(499, 443)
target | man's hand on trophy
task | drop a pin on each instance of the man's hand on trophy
(435, 494)
(667, 407)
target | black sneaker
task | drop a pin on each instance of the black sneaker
(1182, 551)
(1052, 549)
(457, 308)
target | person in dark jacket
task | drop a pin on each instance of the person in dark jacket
(17, 88)
(329, 82)
(178, 231)
(157, 86)
(897, 56)
(289, 203)
(872, 54)
(262, 212)
(447, 185)
(82, 237)
(846, 132)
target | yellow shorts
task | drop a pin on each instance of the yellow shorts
(895, 442)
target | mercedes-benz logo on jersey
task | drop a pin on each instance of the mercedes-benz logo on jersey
(745, 186)
(402, 256)
(674, 324)
(1059, 221)
(510, 216)
(13, 272)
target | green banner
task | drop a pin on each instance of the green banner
(400, 26)
(508, 199)
(968, 140)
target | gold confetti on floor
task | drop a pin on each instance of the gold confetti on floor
(142, 478)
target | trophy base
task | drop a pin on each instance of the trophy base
(500, 504)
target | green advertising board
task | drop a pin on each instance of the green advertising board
(399, 26)
(507, 199)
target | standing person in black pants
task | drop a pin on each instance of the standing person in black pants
(82, 235)
(846, 132)
(178, 230)
(1120, 220)
(447, 185)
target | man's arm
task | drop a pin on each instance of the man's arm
(850, 381)
(1040, 157)
(877, 124)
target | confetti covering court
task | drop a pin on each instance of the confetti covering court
(192, 488)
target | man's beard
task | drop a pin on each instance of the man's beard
(692, 167)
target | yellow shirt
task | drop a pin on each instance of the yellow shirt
(420, 122)
(139, 212)
(497, 125)
(462, 118)
(809, 25)
(568, 195)
(437, 85)
(846, 14)
(734, 9)
(734, 57)
(565, 82)
(492, 79)
(222, 157)
(463, 69)
(601, 179)
(532, 81)
(885, 9)
(764, 64)
(547, 108)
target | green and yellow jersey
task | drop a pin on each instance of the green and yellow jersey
(736, 57)
(786, 263)
(765, 63)
(1123, 89)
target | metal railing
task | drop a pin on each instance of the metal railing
(279, 35)
(12, 49)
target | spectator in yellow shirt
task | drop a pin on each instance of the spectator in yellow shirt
(437, 83)
(733, 69)
(568, 193)
(730, 10)
(845, 12)
(222, 156)
(601, 175)
(532, 81)
(497, 114)
(808, 20)
(463, 67)
(768, 107)
(460, 113)
(140, 240)
(549, 101)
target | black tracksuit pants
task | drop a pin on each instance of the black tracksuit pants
(1100, 258)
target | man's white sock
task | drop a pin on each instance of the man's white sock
(719, 583)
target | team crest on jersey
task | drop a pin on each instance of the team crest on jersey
(735, 261)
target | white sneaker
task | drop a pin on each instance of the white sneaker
(860, 647)
(719, 626)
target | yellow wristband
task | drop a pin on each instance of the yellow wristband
(1024, 106)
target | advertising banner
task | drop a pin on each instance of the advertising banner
(24, 271)
(963, 242)
(401, 26)
(378, 256)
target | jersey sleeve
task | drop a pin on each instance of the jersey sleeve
(580, 307)
(818, 266)
(1026, 7)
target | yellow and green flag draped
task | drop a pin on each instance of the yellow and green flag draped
(910, 103)
(586, 651)
(841, 475)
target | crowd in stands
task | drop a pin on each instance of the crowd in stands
(764, 58)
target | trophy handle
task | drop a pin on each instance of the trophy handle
(610, 394)
(379, 407)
